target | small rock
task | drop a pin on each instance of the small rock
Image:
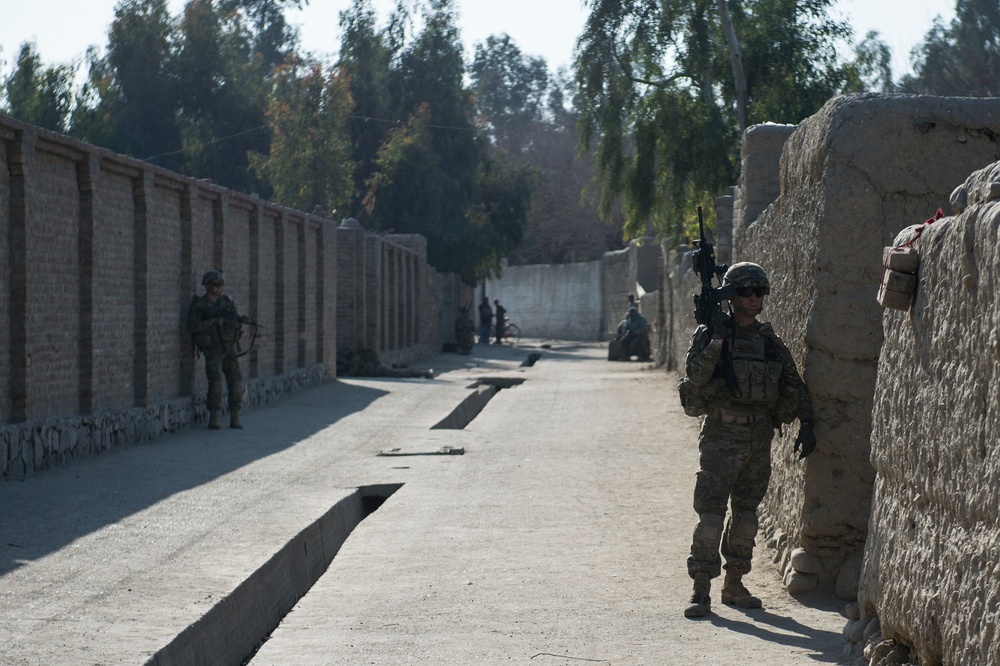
(848, 628)
(853, 611)
(857, 631)
(848, 578)
(801, 583)
(873, 627)
(805, 562)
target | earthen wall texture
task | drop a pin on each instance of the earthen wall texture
(5, 285)
(932, 560)
(852, 175)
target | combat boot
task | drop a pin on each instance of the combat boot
(213, 420)
(234, 419)
(735, 593)
(701, 600)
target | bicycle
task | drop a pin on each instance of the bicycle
(511, 332)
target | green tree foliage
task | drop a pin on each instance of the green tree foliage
(434, 174)
(309, 161)
(873, 63)
(37, 94)
(366, 58)
(523, 107)
(657, 93)
(510, 89)
(271, 38)
(391, 131)
(962, 58)
(144, 99)
(223, 99)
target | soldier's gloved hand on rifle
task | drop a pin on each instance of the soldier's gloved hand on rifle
(806, 440)
(722, 325)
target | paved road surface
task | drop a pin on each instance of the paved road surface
(558, 537)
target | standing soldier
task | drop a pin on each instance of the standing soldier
(485, 319)
(216, 328)
(745, 382)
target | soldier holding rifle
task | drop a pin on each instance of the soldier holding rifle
(742, 378)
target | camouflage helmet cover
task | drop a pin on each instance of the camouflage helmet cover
(212, 276)
(746, 274)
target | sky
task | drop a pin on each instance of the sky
(63, 29)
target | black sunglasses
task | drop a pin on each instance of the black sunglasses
(746, 292)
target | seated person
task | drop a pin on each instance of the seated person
(633, 333)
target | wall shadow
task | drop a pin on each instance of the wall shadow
(49, 510)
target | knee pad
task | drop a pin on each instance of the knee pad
(707, 496)
(709, 530)
(745, 525)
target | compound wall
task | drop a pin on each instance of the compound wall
(100, 256)
(932, 559)
(851, 177)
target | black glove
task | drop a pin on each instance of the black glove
(806, 439)
(722, 324)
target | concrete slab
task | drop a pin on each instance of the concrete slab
(559, 536)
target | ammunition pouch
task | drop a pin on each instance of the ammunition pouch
(699, 400)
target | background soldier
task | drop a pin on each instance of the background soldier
(216, 328)
(485, 319)
(746, 379)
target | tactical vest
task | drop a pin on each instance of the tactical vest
(756, 380)
(756, 370)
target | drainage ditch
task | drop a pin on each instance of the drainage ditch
(235, 628)
(483, 391)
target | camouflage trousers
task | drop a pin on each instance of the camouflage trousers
(735, 467)
(218, 364)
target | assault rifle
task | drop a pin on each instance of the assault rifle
(243, 319)
(709, 302)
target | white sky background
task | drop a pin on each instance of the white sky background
(63, 29)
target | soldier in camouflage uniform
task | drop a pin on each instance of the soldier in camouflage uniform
(746, 384)
(216, 328)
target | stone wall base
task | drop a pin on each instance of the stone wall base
(47, 443)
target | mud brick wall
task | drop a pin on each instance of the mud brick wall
(389, 297)
(760, 159)
(932, 559)
(99, 258)
(852, 175)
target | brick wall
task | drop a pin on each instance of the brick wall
(388, 296)
(100, 256)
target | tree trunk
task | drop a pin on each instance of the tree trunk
(737, 59)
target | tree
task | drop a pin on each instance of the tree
(526, 110)
(510, 90)
(660, 100)
(223, 99)
(962, 59)
(272, 38)
(145, 95)
(873, 62)
(39, 95)
(366, 60)
(435, 173)
(309, 161)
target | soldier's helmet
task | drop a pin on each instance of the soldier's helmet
(212, 276)
(747, 274)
